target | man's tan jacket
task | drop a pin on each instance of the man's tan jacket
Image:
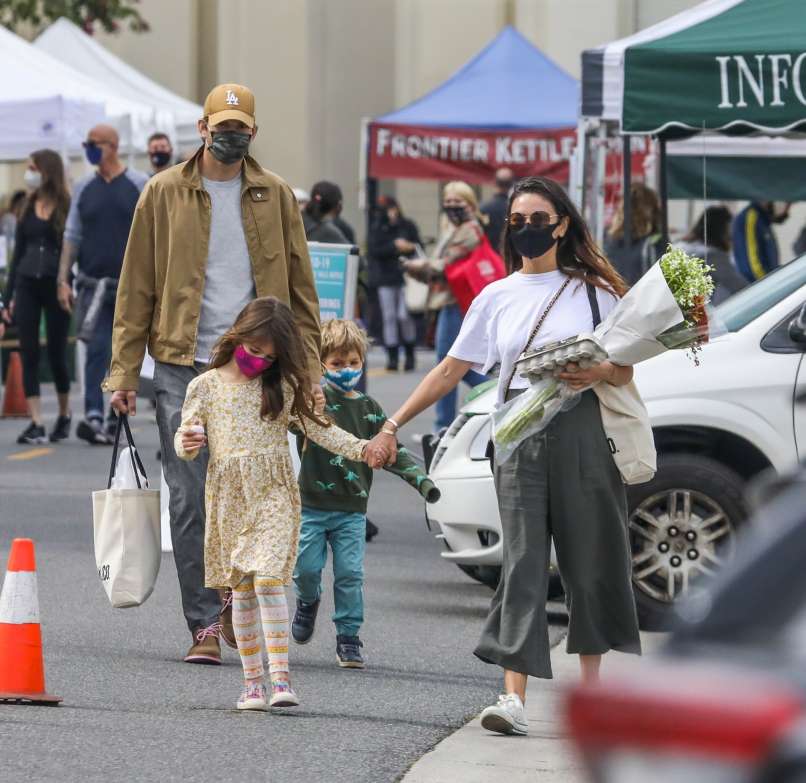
(161, 284)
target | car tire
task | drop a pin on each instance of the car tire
(711, 488)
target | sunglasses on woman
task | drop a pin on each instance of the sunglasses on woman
(537, 220)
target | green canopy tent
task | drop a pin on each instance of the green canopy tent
(740, 71)
(724, 68)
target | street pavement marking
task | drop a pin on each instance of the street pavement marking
(30, 454)
(378, 372)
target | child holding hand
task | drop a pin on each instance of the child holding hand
(335, 493)
(257, 386)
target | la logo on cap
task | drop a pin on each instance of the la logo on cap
(232, 98)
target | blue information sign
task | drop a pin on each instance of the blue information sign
(335, 273)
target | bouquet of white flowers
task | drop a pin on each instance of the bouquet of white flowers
(665, 309)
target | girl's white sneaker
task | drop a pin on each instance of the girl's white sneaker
(253, 697)
(283, 697)
(506, 717)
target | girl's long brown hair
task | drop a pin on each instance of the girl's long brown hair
(53, 186)
(266, 319)
(577, 253)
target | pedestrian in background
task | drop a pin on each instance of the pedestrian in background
(335, 494)
(207, 237)
(646, 246)
(160, 152)
(755, 248)
(31, 290)
(95, 237)
(393, 237)
(320, 215)
(462, 233)
(303, 197)
(495, 208)
(9, 218)
(257, 386)
(561, 485)
(709, 239)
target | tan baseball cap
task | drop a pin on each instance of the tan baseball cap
(230, 102)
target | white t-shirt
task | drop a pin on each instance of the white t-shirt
(502, 316)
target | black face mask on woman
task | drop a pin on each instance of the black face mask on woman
(531, 242)
(457, 215)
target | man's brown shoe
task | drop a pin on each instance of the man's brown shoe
(225, 619)
(206, 648)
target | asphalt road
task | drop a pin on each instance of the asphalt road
(133, 711)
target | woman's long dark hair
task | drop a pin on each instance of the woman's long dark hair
(718, 220)
(268, 318)
(577, 253)
(325, 198)
(53, 187)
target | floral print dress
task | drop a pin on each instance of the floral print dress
(252, 497)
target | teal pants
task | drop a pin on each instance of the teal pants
(346, 534)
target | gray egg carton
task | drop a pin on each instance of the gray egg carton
(584, 350)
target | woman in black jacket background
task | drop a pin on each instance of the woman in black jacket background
(31, 290)
(392, 237)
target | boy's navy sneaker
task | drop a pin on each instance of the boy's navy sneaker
(304, 621)
(348, 652)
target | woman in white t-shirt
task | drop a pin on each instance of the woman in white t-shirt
(561, 484)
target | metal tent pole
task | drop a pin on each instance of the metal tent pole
(664, 191)
(598, 188)
(626, 197)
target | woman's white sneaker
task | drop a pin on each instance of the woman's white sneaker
(506, 717)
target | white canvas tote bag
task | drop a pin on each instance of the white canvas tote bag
(628, 430)
(126, 521)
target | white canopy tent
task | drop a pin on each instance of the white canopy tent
(173, 114)
(44, 102)
(37, 111)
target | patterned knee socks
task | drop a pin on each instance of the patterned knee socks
(247, 629)
(274, 617)
(269, 595)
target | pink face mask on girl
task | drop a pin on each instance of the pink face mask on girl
(251, 366)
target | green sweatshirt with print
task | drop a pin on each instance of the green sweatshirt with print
(332, 483)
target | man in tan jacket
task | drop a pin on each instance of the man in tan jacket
(208, 236)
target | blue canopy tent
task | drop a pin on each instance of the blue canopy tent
(509, 105)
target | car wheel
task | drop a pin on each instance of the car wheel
(682, 527)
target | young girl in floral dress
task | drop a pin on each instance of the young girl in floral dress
(257, 385)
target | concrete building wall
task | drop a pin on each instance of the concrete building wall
(317, 67)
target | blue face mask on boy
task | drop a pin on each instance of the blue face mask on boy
(345, 379)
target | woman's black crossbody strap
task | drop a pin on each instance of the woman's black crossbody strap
(537, 328)
(137, 463)
(594, 302)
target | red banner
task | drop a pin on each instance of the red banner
(416, 152)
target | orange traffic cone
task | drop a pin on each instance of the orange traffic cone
(22, 671)
(14, 406)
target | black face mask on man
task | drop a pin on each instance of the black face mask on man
(531, 242)
(160, 158)
(229, 146)
(457, 215)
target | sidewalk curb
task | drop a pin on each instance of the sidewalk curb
(473, 755)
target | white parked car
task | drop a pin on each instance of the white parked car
(717, 426)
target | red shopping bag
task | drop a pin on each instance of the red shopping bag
(468, 276)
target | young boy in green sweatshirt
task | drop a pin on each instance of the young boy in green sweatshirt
(335, 493)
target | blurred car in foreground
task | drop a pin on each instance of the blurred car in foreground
(717, 426)
(725, 700)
